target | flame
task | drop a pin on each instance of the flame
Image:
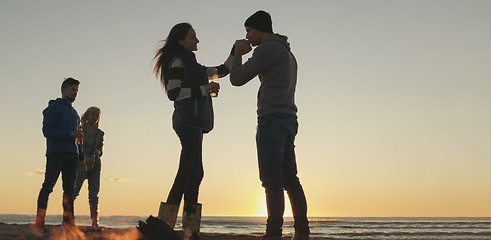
(72, 233)
(109, 234)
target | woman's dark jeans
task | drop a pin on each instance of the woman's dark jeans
(275, 139)
(67, 165)
(190, 172)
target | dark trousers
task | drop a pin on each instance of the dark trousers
(93, 177)
(190, 172)
(275, 139)
(67, 165)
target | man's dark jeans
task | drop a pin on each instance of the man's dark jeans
(190, 172)
(275, 139)
(66, 164)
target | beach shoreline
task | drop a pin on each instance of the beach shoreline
(25, 231)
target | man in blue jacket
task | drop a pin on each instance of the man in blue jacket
(277, 127)
(61, 127)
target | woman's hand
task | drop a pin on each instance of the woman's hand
(83, 166)
(89, 162)
(212, 87)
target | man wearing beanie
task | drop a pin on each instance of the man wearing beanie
(277, 127)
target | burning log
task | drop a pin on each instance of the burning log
(156, 229)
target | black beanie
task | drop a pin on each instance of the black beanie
(260, 20)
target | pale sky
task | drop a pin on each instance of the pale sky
(394, 104)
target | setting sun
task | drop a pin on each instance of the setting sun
(262, 211)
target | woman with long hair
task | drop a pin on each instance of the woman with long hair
(90, 167)
(187, 85)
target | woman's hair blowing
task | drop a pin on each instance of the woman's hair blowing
(171, 45)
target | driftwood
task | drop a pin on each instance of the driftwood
(156, 229)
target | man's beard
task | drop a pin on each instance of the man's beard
(70, 99)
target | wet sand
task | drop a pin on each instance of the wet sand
(25, 231)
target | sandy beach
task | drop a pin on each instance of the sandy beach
(24, 231)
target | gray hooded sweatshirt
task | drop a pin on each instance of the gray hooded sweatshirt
(277, 69)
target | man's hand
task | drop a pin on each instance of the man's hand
(242, 47)
(78, 133)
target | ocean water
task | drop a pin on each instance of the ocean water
(329, 227)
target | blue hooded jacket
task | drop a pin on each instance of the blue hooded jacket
(60, 119)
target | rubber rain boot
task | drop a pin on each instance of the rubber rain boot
(39, 227)
(94, 215)
(168, 213)
(191, 220)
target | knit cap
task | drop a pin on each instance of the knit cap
(260, 20)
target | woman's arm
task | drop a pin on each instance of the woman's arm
(224, 69)
(101, 143)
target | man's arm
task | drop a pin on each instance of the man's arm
(49, 129)
(240, 73)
